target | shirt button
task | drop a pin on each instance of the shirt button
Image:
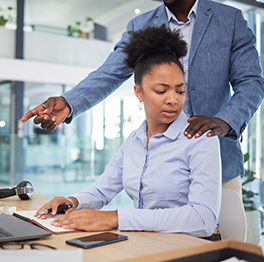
(185, 26)
(186, 68)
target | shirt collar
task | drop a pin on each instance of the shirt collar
(176, 127)
(172, 132)
(193, 10)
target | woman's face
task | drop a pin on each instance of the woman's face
(163, 94)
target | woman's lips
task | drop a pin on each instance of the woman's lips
(169, 113)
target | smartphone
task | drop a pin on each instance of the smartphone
(96, 240)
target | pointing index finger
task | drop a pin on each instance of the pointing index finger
(29, 114)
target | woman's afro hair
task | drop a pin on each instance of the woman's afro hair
(152, 41)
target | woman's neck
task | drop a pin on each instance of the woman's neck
(153, 130)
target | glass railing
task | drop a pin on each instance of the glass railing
(56, 164)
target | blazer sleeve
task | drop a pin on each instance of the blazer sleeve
(102, 82)
(107, 78)
(245, 78)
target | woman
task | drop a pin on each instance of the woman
(175, 182)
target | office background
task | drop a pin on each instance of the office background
(45, 57)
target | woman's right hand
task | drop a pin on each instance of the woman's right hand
(54, 203)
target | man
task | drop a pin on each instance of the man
(221, 52)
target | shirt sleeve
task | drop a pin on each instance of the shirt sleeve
(106, 186)
(199, 217)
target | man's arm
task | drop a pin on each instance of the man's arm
(247, 83)
(245, 79)
(89, 92)
(101, 83)
(106, 79)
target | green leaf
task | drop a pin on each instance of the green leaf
(88, 19)
(246, 157)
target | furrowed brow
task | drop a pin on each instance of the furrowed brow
(165, 85)
(182, 84)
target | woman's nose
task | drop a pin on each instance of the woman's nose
(172, 98)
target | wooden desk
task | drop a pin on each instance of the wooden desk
(138, 243)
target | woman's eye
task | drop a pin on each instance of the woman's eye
(180, 92)
(160, 92)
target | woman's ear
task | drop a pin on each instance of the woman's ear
(138, 92)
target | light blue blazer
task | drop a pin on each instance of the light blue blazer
(222, 53)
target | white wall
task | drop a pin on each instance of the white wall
(50, 58)
(60, 49)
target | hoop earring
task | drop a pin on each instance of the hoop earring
(140, 105)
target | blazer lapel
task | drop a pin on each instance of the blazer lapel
(161, 17)
(203, 18)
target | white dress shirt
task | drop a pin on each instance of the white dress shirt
(186, 30)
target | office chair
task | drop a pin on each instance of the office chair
(232, 219)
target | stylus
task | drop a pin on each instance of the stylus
(60, 208)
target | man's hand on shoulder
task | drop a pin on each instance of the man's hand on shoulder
(201, 124)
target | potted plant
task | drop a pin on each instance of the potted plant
(81, 29)
(74, 30)
(252, 206)
(5, 15)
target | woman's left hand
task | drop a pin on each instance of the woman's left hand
(88, 220)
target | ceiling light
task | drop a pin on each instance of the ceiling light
(137, 11)
(2, 123)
